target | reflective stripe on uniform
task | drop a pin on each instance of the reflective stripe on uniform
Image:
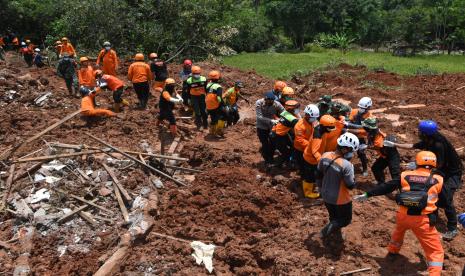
(435, 264)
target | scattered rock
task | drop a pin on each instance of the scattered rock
(104, 191)
(452, 123)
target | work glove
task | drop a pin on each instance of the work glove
(362, 147)
(274, 122)
(361, 198)
(411, 166)
(389, 144)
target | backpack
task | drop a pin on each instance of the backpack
(415, 200)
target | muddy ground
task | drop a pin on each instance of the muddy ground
(259, 222)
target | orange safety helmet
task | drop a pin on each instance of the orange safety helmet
(58, 42)
(83, 59)
(291, 105)
(328, 121)
(153, 55)
(139, 57)
(214, 75)
(426, 158)
(170, 81)
(279, 85)
(64, 39)
(98, 73)
(196, 69)
(288, 91)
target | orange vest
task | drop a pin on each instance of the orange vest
(139, 72)
(86, 76)
(113, 82)
(303, 130)
(109, 60)
(67, 48)
(331, 137)
(211, 100)
(418, 178)
(378, 143)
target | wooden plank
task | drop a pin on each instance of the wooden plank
(8, 184)
(136, 160)
(83, 200)
(355, 271)
(123, 191)
(75, 211)
(174, 145)
(124, 211)
(57, 156)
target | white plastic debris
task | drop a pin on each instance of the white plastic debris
(54, 165)
(41, 100)
(203, 253)
(157, 182)
(40, 195)
(49, 179)
(62, 250)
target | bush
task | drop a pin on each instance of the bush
(314, 48)
(339, 41)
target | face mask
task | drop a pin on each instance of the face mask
(108, 48)
(362, 110)
(269, 102)
(312, 119)
(348, 155)
(196, 76)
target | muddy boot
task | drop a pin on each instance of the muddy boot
(220, 128)
(117, 107)
(212, 130)
(309, 190)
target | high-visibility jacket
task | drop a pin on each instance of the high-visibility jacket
(88, 108)
(303, 130)
(286, 122)
(416, 180)
(337, 178)
(109, 60)
(316, 146)
(113, 83)
(213, 98)
(331, 142)
(197, 87)
(67, 48)
(230, 96)
(139, 72)
(86, 76)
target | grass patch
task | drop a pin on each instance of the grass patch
(284, 65)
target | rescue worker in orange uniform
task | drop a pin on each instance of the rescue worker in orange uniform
(303, 131)
(335, 177)
(197, 87)
(387, 156)
(230, 98)
(313, 152)
(282, 133)
(168, 99)
(287, 94)
(57, 47)
(108, 59)
(15, 43)
(114, 84)
(214, 103)
(140, 76)
(339, 112)
(159, 70)
(419, 191)
(278, 89)
(28, 52)
(86, 74)
(355, 121)
(88, 104)
(67, 47)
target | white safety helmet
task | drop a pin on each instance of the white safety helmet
(37, 50)
(348, 140)
(23, 43)
(365, 103)
(312, 111)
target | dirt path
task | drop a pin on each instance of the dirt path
(257, 220)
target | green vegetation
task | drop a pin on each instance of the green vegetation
(284, 65)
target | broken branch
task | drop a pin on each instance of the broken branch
(84, 200)
(356, 271)
(57, 156)
(123, 191)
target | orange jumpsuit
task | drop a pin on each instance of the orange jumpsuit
(316, 146)
(109, 59)
(88, 108)
(303, 130)
(86, 76)
(67, 48)
(418, 222)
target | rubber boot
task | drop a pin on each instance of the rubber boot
(220, 128)
(173, 130)
(309, 190)
(117, 107)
